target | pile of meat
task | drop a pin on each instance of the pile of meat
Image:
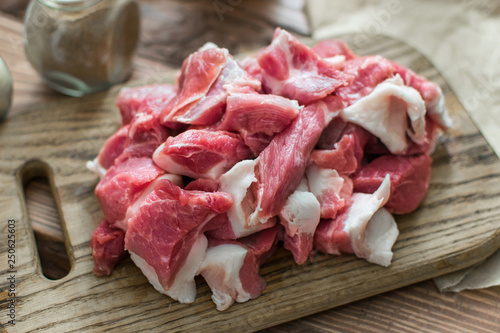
(312, 148)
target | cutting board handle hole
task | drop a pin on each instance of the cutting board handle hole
(45, 222)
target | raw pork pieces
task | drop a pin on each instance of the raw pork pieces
(311, 148)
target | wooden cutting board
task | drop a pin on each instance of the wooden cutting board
(457, 225)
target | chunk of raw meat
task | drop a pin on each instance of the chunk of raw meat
(155, 101)
(237, 182)
(430, 92)
(360, 229)
(108, 247)
(108, 153)
(256, 113)
(332, 190)
(203, 184)
(136, 204)
(291, 69)
(251, 66)
(376, 147)
(231, 268)
(283, 162)
(384, 113)
(410, 177)
(199, 153)
(129, 100)
(341, 146)
(123, 184)
(208, 108)
(368, 72)
(198, 73)
(300, 216)
(257, 142)
(333, 47)
(165, 238)
(145, 134)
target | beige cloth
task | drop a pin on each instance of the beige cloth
(462, 39)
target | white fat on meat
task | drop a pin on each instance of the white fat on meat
(183, 289)
(134, 207)
(322, 181)
(237, 183)
(167, 163)
(337, 61)
(380, 235)
(437, 110)
(384, 113)
(332, 190)
(301, 213)
(96, 167)
(221, 270)
(372, 231)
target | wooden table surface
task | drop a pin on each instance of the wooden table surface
(170, 31)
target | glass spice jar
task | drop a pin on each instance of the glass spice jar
(81, 46)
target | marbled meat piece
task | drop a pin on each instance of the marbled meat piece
(410, 177)
(391, 112)
(283, 162)
(238, 183)
(231, 267)
(130, 100)
(333, 191)
(108, 247)
(293, 70)
(300, 216)
(256, 113)
(123, 184)
(364, 228)
(201, 154)
(198, 73)
(165, 238)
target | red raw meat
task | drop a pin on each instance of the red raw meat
(368, 72)
(300, 216)
(256, 113)
(111, 149)
(210, 109)
(364, 228)
(231, 268)
(211, 97)
(257, 142)
(283, 162)
(239, 222)
(333, 47)
(251, 66)
(136, 204)
(165, 237)
(145, 134)
(302, 136)
(291, 69)
(341, 146)
(410, 177)
(198, 73)
(123, 184)
(155, 101)
(108, 247)
(129, 101)
(199, 153)
(430, 92)
(332, 190)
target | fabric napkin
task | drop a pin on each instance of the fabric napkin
(462, 39)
